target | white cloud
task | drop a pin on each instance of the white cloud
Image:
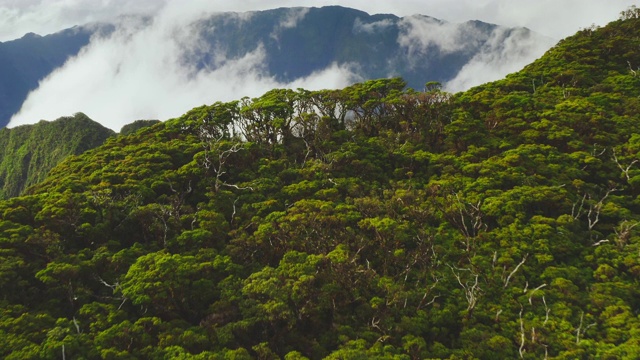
(419, 33)
(553, 18)
(138, 72)
(291, 20)
(333, 77)
(47, 16)
(294, 16)
(371, 28)
(505, 52)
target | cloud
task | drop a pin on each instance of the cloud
(371, 28)
(506, 51)
(294, 16)
(139, 72)
(556, 19)
(291, 20)
(420, 33)
(47, 16)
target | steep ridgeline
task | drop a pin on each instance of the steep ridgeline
(26, 61)
(137, 125)
(370, 222)
(28, 152)
(300, 41)
(295, 43)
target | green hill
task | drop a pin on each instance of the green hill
(369, 222)
(296, 42)
(28, 152)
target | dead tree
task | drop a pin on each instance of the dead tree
(593, 213)
(624, 169)
(508, 278)
(217, 152)
(623, 233)
(471, 287)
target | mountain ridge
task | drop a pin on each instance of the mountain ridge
(296, 49)
(28, 152)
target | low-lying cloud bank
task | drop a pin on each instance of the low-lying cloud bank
(139, 72)
(505, 52)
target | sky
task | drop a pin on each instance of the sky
(135, 74)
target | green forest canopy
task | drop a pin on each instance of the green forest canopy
(368, 222)
(28, 152)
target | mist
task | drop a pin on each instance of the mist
(139, 72)
(505, 52)
(552, 18)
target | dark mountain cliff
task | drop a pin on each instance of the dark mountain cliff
(296, 41)
(299, 41)
(26, 61)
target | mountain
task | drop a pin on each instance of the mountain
(28, 152)
(137, 125)
(296, 43)
(26, 61)
(374, 221)
(300, 41)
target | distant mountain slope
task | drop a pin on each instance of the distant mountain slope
(28, 152)
(25, 61)
(297, 42)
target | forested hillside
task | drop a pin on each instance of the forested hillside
(28, 152)
(363, 223)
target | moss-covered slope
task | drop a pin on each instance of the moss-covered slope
(28, 152)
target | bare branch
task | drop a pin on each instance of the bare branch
(594, 210)
(546, 310)
(579, 328)
(75, 323)
(237, 187)
(600, 242)
(506, 282)
(471, 288)
(623, 234)
(522, 336)
(113, 287)
(625, 170)
(580, 331)
(576, 213)
(534, 291)
(634, 72)
(124, 299)
(427, 292)
(533, 334)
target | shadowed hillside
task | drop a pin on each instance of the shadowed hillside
(28, 152)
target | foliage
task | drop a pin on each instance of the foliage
(137, 125)
(28, 152)
(368, 222)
